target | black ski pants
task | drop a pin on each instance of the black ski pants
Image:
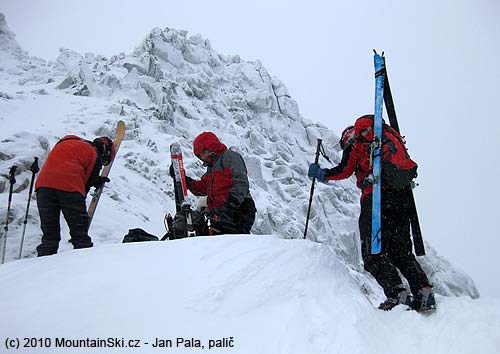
(72, 204)
(237, 221)
(396, 244)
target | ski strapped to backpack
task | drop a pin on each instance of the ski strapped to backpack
(397, 169)
(120, 132)
(182, 205)
(376, 180)
(418, 242)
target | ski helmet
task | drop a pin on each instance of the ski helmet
(105, 148)
(348, 137)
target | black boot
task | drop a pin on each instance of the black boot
(424, 300)
(401, 296)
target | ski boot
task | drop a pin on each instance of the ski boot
(402, 297)
(424, 301)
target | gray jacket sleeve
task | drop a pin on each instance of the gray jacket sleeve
(240, 188)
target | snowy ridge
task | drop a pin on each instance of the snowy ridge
(171, 88)
(268, 295)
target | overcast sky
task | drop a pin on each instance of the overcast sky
(443, 60)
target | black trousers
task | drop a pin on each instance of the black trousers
(240, 221)
(72, 204)
(396, 244)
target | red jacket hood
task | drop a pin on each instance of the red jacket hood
(209, 141)
(363, 123)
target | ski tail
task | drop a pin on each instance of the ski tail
(120, 132)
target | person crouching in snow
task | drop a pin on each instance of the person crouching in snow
(395, 208)
(229, 202)
(71, 169)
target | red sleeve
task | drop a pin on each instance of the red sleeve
(199, 188)
(346, 168)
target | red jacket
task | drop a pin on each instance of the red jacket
(226, 178)
(355, 159)
(68, 166)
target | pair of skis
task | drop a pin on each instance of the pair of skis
(383, 94)
(182, 206)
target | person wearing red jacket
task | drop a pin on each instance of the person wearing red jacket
(71, 169)
(225, 184)
(395, 210)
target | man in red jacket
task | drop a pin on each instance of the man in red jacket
(71, 169)
(225, 184)
(396, 243)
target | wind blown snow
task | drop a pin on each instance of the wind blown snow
(270, 293)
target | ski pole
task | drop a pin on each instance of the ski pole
(34, 169)
(318, 150)
(12, 181)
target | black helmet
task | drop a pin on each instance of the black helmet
(348, 137)
(105, 149)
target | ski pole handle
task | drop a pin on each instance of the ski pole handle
(318, 150)
(34, 166)
(12, 173)
(12, 181)
(316, 159)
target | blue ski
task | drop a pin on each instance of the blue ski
(376, 239)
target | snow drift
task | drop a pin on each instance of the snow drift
(267, 295)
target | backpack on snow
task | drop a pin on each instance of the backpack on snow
(138, 235)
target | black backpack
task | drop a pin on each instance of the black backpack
(398, 169)
(138, 235)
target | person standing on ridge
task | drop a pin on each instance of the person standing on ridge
(71, 169)
(229, 202)
(396, 243)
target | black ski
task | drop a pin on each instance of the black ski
(414, 222)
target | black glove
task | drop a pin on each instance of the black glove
(189, 180)
(99, 181)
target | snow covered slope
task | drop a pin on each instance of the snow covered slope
(268, 295)
(171, 88)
